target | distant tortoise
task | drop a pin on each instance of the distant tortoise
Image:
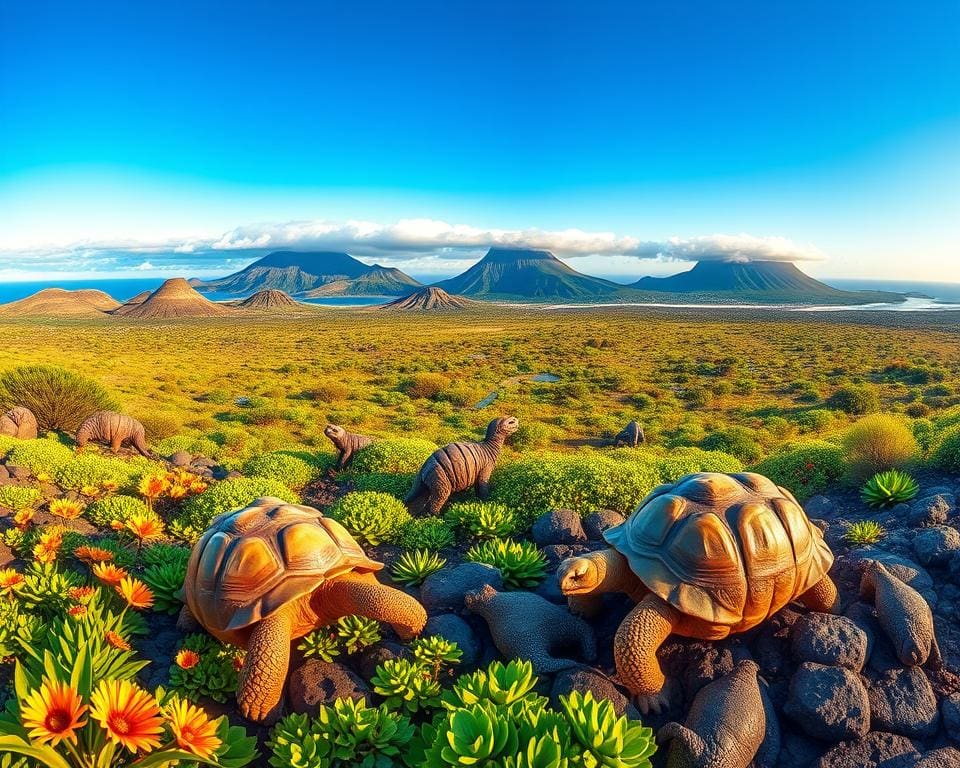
(114, 429)
(347, 443)
(460, 466)
(19, 422)
(267, 574)
(630, 436)
(704, 557)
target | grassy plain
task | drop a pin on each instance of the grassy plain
(745, 382)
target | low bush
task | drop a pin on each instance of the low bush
(90, 470)
(293, 469)
(430, 533)
(394, 456)
(226, 495)
(412, 568)
(855, 399)
(160, 425)
(426, 385)
(520, 563)
(805, 468)
(120, 508)
(373, 518)
(736, 441)
(878, 442)
(395, 485)
(60, 399)
(39, 456)
(483, 520)
(945, 451)
(16, 497)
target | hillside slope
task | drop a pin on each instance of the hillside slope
(430, 298)
(378, 281)
(59, 302)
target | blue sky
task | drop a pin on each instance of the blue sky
(630, 137)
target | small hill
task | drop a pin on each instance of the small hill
(521, 273)
(756, 281)
(290, 271)
(136, 301)
(378, 281)
(271, 300)
(59, 302)
(430, 298)
(176, 298)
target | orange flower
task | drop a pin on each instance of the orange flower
(192, 729)
(44, 554)
(22, 517)
(77, 611)
(88, 554)
(52, 713)
(177, 492)
(187, 659)
(80, 594)
(153, 486)
(66, 508)
(10, 581)
(198, 486)
(135, 592)
(109, 485)
(144, 527)
(108, 573)
(90, 490)
(116, 641)
(130, 716)
(52, 538)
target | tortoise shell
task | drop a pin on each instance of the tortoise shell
(252, 561)
(730, 550)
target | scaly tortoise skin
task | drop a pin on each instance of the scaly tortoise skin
(704, 557)
(458, 467)
(630, 436)
(272, 572)
(19, 422)
(346, 443)
(114, 429)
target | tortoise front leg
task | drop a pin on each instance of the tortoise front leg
(635, 652)
(821, 597)
(362, 594)
(264, 670)
(482, 486)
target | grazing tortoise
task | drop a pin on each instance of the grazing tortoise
(704, 557)
(271, 572)
(19, 422)
(630, 436)
(114, 429)
(346, 443)
(459, 467)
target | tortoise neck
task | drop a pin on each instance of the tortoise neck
(615, 574)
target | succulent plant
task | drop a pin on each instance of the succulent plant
(603, 738)
(373, 518)
(357, 632)
(430, 533)
(412, 568)
(864, 532)
(205, 667)
(483, 520)
(885, 489)
(520, 563)
(436, 652)
(406, 684)
(321, 643)
(165, 581)
(499, 683)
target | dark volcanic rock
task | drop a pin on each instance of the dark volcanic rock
(865, 617)
(320, 682)
(945, 757)
(832, 640)
(560, 526)
(453, 628)
(950, 709)
(820, 506)
(374, 655)
(181, 459)
(585, 679)
(828, 703)
(876, 750)
(444, 590)
(596, 523)
(936, 545)
(932, 509)
(902, 701)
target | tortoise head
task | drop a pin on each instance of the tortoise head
(578, 576)
(334, 432)
(502, 427)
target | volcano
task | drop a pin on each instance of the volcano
(59, 302)
(271, 300)
(176, 298)
(430, 298)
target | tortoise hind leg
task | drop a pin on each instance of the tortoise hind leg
(265, 668)
(821, 597)
(635, 651)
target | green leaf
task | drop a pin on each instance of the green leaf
(45, 755)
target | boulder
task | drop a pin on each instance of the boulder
(831, 640)
(936, 545)
(902, 701)
(596, 523)
(181, 459)
(559, 526)
(444, 590)
(451, 627)
(374, 655)
(820, 506)
(319, 682)
(18, 473)
(583, 679)
(932, 509)
(950, 709)
(875, 750)
(828, 703)
(865, 617)
(945, 757)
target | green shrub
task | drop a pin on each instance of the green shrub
(39, 456)
(945, 453)
(231, 494)
(160, 425)
(89, 469)
(877, 442)
(192, 444)
(885, 489)
(103, 512)
(855, 399)
(430, 533)
(214, 676)
(395, 485)
(425, 384)
(60, 399)
(520, 563)
(483, 520)
(805, 468)
(16, 497)
(373, 518)
(864, 533)
(684, 461)
(404, 686)
(412, 568)
(737, 441)
(357, 632)
(395, 456)
(294, 470)
(165, 579)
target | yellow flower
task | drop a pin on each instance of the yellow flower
(187, 659)
(115, 640)
(22, 517)
(108, 573)
(66, 508)
(153, 486)
(52, 713)
(80, 594)
(135, 592)
(129, 715)
(192, 729)
(45, 554)
(52, 538)
(43, 477)
(10, 581)
(198, 486)
(144, 527)
(90, 490)
(109, 485)
(177, 492)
